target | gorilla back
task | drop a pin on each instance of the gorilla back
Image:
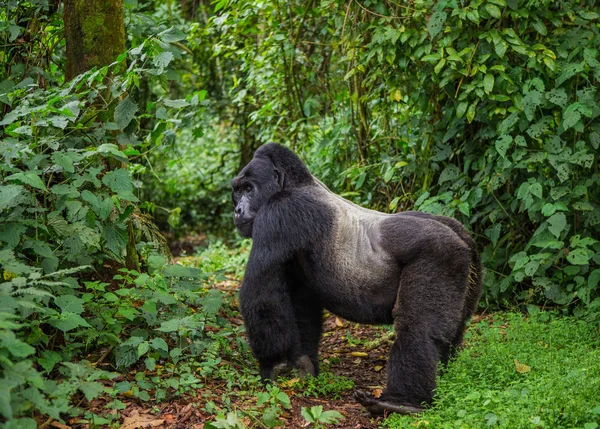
(312, 250)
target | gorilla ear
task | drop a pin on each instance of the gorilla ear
(279, 177)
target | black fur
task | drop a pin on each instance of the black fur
(313, 250)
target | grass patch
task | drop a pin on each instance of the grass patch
(541, 372)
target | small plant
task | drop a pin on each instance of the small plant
(319, 418)
(232, 421)
(276, 400)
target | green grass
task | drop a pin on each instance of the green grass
(540, 372)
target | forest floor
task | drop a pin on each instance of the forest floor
(356, 352)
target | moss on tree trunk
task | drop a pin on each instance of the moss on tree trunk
(95, 34)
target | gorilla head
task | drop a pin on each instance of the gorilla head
(261, 179)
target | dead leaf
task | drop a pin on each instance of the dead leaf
(360, 354)
(375, 387)
(169, 419)
(136, 420)
(338, 322)
(59, 425)
(521, 367)
(377, 393)
(378, 368)
(356, 361)
(291, 382)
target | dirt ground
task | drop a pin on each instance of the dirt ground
(364, 363)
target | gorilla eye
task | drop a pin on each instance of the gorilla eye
(247, 187)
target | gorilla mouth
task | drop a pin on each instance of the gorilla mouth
(246, 222)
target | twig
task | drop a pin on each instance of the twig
(375, 13)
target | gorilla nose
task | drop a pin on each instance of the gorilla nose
(238, 211)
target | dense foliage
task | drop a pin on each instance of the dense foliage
(484, 110)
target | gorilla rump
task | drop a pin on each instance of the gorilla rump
(314, 250)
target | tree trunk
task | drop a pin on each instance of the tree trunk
(95, 34)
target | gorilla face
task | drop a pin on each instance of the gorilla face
(252, 189)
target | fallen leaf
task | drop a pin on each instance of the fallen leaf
(356, 361)
(521, 367)
(59, 425)
(169, 419)
(338, 322)
(377, 393)
(378, 368)
(375, 387)
(136, 420)
(360, 354)
(291, 382)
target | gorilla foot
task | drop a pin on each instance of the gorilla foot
(382, 407)
(305, 366)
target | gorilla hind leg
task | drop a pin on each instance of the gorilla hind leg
(428, 314)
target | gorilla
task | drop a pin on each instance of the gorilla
(314, 250)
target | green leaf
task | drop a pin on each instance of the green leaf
(172, 35)
(159, 344)
(579, 256)
(69, 303)
(389, 173)
(181, 271)
(536, 189)
(212, 302)
(500, 48)
(549, 209)
(436, 22)
(125, 112)
(540, 27)
(439, 66)
(30, 179)
(557, 223)
(493, 10)
(360, 181)
(488, 83)
(461, 109)
(49, 360)
(176, 103)
(330, 417)
(471, 111)
(571, 116)
(150, 363)
(163, 59)
(150, 307)
(69, 321)
(63, 160)
(493, 233)
(112, 149)
(503, 144)
(143, 348)
(558, 96)
(450, 173)
(308, 414)
(91, 389)
(16, 347)
(118, 180)
(10, 196)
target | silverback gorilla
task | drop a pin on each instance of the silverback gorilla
(314, 250)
